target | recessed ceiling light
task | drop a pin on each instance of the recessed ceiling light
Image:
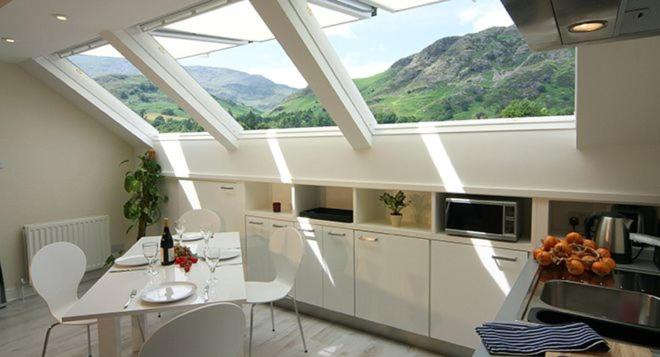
(60, 17)
(8, 39)
(588, 26)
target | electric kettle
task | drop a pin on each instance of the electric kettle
(611, 230)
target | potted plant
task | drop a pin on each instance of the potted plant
(395, 203)
(143, 185)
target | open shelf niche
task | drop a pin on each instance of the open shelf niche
(308, 197)
(418, 216)
(259, 197)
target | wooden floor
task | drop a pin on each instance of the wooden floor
(23, 325)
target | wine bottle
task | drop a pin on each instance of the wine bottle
(166, 245)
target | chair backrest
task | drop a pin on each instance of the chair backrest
(195, 218)
(213, 330)
(286, 249)
(56, 271)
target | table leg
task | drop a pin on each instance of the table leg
(139, 323)
(109, 332)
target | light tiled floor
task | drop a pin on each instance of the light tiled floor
(23, 325)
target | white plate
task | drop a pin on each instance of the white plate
(131, 260)
(226, 254)
(168, 292)
(191, 236)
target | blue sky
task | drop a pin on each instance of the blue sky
(369, 46)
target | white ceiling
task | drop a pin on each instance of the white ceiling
(38, 33)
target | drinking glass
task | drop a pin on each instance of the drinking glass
(150, 251)
(207, 233)
(180, 228)
(212, 258)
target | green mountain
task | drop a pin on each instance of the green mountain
(480, 75)
(488, 74)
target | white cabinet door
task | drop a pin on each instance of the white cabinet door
(259, 265)
(339, 278)
(392, 281)
(309, 280)
(468, 286)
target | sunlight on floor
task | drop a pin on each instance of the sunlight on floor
(441, 160)
(278, 156)
(486, 254)
(179, 164)
(313, 244)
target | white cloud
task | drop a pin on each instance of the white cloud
(484, 16)
(341, 31)
(282, 75)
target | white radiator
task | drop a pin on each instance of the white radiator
(91, 234)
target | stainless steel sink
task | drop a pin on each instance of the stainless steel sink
(625, 307)
(602, 302)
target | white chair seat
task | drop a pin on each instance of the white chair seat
(264, 292)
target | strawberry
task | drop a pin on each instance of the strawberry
(194, 259)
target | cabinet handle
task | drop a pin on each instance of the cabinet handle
(508, 259)
(337, 234)
(369, 239)
(308, 230)
(226, 188)
(257, 223)
(278, 226)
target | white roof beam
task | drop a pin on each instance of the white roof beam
(148, 56)
(304, 41)
(77, 86)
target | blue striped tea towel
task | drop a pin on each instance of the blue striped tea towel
(525, 339)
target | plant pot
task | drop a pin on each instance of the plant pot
(395, 220)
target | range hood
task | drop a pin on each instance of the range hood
(550, 24)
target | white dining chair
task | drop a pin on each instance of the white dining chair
(56, 271)
(286, 248)
(195, 218)
(213, 330)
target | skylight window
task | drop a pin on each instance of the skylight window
(398, 5)
(241, 21)
(118, 76)
(451, 60)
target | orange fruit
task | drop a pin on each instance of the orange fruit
(544, 258)
(604, 253)
(589, 244)
(609, 262)
(549, 242)
(575, 267)
(600, 268)
(574, 238)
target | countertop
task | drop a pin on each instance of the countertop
(516, 302)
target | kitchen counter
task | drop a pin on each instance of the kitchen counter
(515, 305)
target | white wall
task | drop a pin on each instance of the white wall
(527, 163)
(618, 93)
(60, 164)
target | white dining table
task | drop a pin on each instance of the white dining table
(105, 300)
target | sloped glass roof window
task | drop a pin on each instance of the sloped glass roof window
(118, 76)
(255, 81)
(451, 60)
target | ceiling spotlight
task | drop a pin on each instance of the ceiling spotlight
(60, 17)
(587, 26)
(8, 39)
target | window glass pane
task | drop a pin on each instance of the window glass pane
(118, 76)
(452, 60)
(255, 82)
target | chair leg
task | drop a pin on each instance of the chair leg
(251, 322)
(43, 352)
(272, 317)
(302, 334)
(89, 341)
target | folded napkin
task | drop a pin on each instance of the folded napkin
(525, 339)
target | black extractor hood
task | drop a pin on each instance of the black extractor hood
(550, 24)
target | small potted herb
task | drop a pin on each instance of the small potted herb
(395, 203)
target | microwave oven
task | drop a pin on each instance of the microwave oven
(482, 218)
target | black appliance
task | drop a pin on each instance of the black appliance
(329, 214)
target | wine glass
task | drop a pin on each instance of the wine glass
(207, 232)
(212, 258)
(180, 227)
(150, 251)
